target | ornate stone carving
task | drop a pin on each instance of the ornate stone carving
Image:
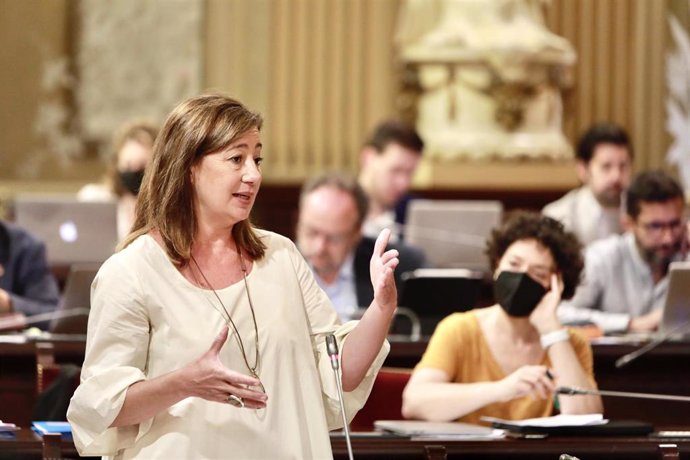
(489, 78)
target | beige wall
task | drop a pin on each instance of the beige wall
(323, 72)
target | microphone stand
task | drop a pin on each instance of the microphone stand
(573, 391)
(332, 348)
(627, 359)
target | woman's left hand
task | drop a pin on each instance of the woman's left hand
(381, 269)
(544, 317)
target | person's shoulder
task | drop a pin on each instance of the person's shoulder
(561, 207)
(609, 248)
(458, 321)
(19, 235)
(275, 243)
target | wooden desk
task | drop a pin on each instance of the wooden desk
(665, 370)
(18, 376)
(369, 446)
(585, 448)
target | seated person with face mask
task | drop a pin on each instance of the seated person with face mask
(132, 147)
(505, 360)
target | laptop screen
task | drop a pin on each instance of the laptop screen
(453, 233)
(676, 315)
(73, 231)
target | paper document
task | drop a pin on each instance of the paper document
(554, 421)
(5, 427)
(446, 430)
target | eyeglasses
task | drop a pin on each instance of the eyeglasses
(656, 228)
(334, 239)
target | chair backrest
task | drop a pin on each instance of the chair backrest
(55, 385)
(385, 400)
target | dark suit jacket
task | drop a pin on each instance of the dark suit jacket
(27, 277)
(411, 258)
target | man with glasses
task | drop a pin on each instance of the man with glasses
(332, 208)
(626, 279)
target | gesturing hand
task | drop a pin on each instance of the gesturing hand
(527, 380)
(212, 381)
(381, 270)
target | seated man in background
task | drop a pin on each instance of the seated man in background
(603, 161)
(506, 360)
(26, 283)
(388, 160)
(331, 211)
(625, 280)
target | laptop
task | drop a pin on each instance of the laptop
(76, 301)
(452, 233)
(434, 293)
(73, 231)
(675, 318)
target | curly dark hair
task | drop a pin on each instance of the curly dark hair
(564, 245)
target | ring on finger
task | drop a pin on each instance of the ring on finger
(235, 400)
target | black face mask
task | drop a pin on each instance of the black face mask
(517, 293)
(131, 180)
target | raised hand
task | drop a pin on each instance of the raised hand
(527, 380)
(211, 380)
(544, 317)
(381, 269)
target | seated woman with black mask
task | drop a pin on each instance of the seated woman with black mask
(131, 152)
(505, 360)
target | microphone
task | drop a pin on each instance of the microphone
(632, 356)
(19, 321)
(332, 349)
(574, 391)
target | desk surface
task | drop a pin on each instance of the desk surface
(665, 370)
(28, 445)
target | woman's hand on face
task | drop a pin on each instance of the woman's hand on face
(527, 380)
(211, 380)
(544, 317)
(381, 269)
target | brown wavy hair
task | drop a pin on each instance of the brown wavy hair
(196, 127)
(550, 233)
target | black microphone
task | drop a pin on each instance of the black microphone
(632, 356)
(332, 349)
(574, 391)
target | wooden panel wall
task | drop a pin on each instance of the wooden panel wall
(328, 73)
(620, 70)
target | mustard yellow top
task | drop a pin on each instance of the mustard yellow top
(458, 347)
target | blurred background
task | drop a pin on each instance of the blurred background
(322, 73)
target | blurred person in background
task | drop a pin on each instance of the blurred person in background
(132, 147)
(332, 208)
(626, 276)
(388, 162)
(595, 210)
(26, 284)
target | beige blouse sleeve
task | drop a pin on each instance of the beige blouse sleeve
(116, 357)
(322, 320)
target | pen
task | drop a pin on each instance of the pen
(549, 374)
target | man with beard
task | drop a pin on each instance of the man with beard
(332, 208)
(626, 280)
(604, 161)
(388, 159)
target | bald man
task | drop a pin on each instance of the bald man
(332, 209)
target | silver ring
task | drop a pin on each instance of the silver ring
(235, 401)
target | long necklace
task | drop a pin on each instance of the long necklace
(253, 370)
